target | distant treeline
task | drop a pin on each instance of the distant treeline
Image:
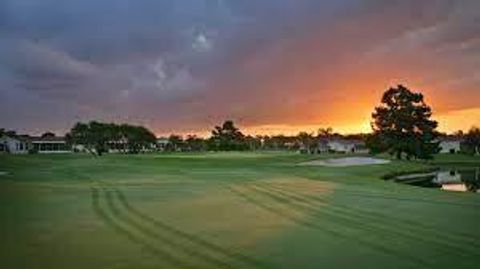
(98, 138)
(227, 137)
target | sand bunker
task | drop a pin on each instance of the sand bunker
(348, 161)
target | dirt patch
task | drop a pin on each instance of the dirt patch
(345, 162)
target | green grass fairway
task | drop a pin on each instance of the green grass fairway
(235, 210)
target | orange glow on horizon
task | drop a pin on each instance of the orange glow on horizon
(350, 109)
(463, 119)
(449, 122)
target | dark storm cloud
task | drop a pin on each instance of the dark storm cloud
(185, 64)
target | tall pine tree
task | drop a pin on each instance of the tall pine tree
(403, 125)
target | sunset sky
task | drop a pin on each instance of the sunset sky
(272, 66)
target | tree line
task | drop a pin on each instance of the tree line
(225, 137)
(98, 138)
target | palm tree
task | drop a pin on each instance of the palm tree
(325, 132)
(307, 140)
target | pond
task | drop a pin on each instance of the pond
(464, 179)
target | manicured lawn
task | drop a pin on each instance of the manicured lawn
(239, 210)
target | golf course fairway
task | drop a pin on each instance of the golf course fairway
(228, 210)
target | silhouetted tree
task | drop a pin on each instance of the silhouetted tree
(459, 133)
(472, 141)
(91, 136)
(97, 138)
(273, 142)
(81, 134)
(402, 124)
(194, 143)
(325, 133)
(175, 143)
(137, 138)
(375, 144)
(48, 134)
(9, 133)
(253, 142)
(308, 142)
(227, 138)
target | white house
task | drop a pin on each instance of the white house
(450, 145)
(162, 144)
(347, 146)
(14, 144)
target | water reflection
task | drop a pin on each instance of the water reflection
(452, 179)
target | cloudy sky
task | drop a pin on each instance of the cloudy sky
(272, 65)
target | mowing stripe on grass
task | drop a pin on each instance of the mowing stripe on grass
(200, 242)
(376, 217)
(313, 225)
(378, 195)
(344, 217)
(111, 222)
(160, 238)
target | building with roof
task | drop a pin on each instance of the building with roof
(347, 146)
(450, 144)
(49, 144)
(14, 144)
